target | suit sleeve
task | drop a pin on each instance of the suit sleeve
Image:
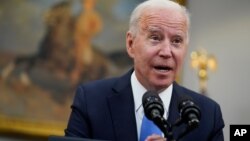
(78, 121)
(217, 134)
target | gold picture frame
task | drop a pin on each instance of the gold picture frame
(31, 128)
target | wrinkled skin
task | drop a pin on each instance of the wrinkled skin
(158, 47)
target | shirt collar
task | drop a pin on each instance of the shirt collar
(139, 90)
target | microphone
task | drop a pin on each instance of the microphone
(153, 105)
(154, 110)
(189, 112)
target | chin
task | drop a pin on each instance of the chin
(161, 86)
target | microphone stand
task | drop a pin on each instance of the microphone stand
(165, 127)
(188, 129)
(169, 134)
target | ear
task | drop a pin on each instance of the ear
(130, 44)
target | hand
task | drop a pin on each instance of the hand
(155, 137)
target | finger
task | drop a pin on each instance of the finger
(155, 137)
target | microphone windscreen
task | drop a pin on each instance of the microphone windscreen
(189, 111)
(152, 102)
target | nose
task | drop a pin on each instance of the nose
(165, 50)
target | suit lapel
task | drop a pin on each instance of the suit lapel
(173, 109)
(121, 105)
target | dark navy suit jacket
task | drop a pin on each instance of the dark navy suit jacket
(104, 109)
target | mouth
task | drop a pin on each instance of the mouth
(162, 68)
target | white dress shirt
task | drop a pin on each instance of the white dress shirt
(138, 91)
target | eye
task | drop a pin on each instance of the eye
(177, 41)
(155, 37)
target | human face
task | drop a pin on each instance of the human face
(158, 47)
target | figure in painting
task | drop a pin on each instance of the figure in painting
(66, 52)
(87, 26)
(54, 51)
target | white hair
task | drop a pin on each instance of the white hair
(138, 11)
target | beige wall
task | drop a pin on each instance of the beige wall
(223, 28)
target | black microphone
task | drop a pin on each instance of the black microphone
(153, 105)
(189, 112)
(154, 110)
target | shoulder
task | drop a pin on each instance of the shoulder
(203, 101)
(97, 86)
(107, 86)
(211, 123)
(102, 83)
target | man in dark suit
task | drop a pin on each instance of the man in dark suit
(111, 109)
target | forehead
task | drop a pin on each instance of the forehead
(163, 18)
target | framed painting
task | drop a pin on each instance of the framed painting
(49, 47)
